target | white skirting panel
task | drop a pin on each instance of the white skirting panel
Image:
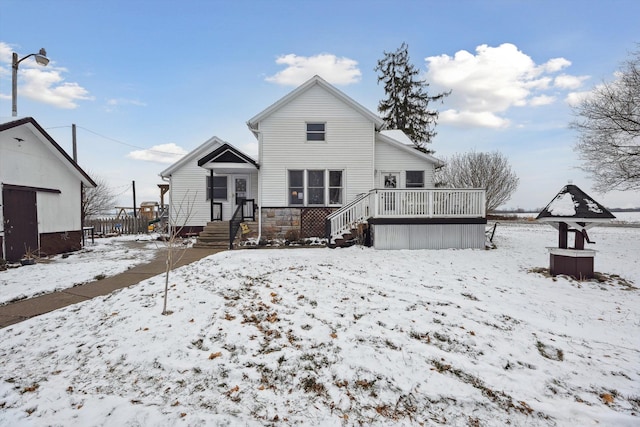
(428, 236)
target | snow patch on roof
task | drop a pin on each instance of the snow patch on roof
(398, 135)
(563, 205)
(592, 206)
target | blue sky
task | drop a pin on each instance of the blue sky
(165, 76)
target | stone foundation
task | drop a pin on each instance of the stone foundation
(277, 221)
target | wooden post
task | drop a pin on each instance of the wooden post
(133, 184)
(579, 241)
(562, 235)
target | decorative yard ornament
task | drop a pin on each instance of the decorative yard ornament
(573, 211)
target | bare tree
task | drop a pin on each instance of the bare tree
(608, 126)
(98, 199)
(490, 171)
(181, 212)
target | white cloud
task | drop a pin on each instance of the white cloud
(537, 101)
(43, 84)
(163, 153)
(470, 118)
(485, 85)
(556, 64)
(565, 81)
(113, 103)
(575, 98)
(340, 71)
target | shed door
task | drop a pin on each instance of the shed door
(20, 223)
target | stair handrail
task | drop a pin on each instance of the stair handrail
(234, 223)
(348, 216)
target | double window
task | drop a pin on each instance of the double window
(315, 187)
(315, 131)
(217, 187)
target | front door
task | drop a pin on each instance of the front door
(20, 223)
(241, 188)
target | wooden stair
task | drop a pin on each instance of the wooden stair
(214, 235)
(347, 239)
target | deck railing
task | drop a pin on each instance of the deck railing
(407, 203)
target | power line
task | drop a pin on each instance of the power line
(118, 141)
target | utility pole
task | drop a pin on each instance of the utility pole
(73, 139)
(133, 183)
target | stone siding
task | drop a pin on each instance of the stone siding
(277, 221)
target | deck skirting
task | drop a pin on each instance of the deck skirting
(442, 234)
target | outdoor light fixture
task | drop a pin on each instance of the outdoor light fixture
(40, 57)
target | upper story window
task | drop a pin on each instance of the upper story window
(415, 179)
(315, 131)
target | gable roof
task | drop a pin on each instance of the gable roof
(226, 154)
(52, 145)
(571, 203)
(210, 146)
(395, 139)
(314, 81)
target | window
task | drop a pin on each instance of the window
(415, 179)
(315, 131)
(296, 187)
(309, 187)
(219, 189)
(335, 187)
(315, 180)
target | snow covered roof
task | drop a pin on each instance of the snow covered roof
(399, 139)
(571, 203)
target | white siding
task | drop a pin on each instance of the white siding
(188, 196)
(392, 159)
(348, 145)
(189, 204)
(428, 236)
(32, 163)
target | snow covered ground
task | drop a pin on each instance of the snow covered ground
(103, 258)
(344, 337)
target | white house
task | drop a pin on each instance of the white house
(209, 183)
(41, 193)
(325, 164)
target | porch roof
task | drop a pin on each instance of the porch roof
(228, 158)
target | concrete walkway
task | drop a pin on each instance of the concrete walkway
(21, 310)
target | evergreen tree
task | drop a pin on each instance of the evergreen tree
(407, 104)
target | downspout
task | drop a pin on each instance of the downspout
(168, 180)
(259, 185)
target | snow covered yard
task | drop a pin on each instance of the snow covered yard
(105, 257)
(344, 337)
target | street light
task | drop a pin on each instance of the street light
(40, 57)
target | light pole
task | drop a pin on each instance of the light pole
(40, 57)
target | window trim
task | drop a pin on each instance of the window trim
(322, 132)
